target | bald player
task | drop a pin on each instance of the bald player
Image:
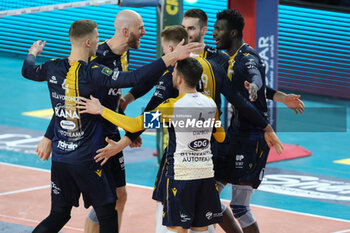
(113, 53)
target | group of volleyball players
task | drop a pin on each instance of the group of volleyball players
(190, 177)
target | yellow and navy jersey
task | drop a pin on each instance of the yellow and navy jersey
(78, 136)
(246, 65)
(111, 97)
(211, 84)
(215, 55)
(190, 119)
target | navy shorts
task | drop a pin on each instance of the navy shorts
(68, 181)
(160, 184)
(191, 203)
(241, 160)
(117, 165)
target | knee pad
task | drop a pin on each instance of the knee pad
(107, 217)
(93, 217)
(240, 202)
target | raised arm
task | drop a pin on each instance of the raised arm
(29, 69)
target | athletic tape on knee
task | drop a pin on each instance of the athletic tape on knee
(240, 202)
(93, 217)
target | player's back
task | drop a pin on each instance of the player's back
(76, 136)
(211, 80)
(190, 129)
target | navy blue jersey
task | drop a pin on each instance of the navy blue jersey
(78, 136)
(111, 96)
(246, 65)
(213, 82)
(215, 55)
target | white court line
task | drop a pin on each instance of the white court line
(36, 221)
(265, 207)
(21, 166)
(343, 231)
(25, 190)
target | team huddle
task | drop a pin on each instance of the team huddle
(199, 160)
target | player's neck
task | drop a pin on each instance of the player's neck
(185, 90)
(236, 44)
(117, 45)
(78, 54)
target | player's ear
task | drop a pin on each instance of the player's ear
(171, 48)
(87, 43)
(204, 30)
(234, 33)
(125, 32)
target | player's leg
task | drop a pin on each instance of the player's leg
(92, 224)
(159, 193)
(250, 163)
(107, 217)
(176, 229)
(240, 206)
(98, 189)
(207, 207)
(122, 197)
(57, 218)
(223, 164)
(64, 194)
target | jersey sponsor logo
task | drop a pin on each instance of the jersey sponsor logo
(239, 163)
(66, 146)
(201, 132)
(105, 52)
(114, 91)
(106, 71)
(64, 97)
(210, 215)
(184, 217)
(158, 94)
(199, 144)
(99, 172)
(174, 190)
(53, 80)
(66, 111)
(307, 186)
(56, 190)
(151, 120)
(69, 125)
(251, 64)
(115, 75)
(77, 134)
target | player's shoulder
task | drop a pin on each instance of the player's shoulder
(248, 52)
(213, 52)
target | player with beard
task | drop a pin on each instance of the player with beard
(113, 53)
(246, 150)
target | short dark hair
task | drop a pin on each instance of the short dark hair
(175, 34)
(191, 70)
(197, 13)
(234, 20)
(81, 28)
